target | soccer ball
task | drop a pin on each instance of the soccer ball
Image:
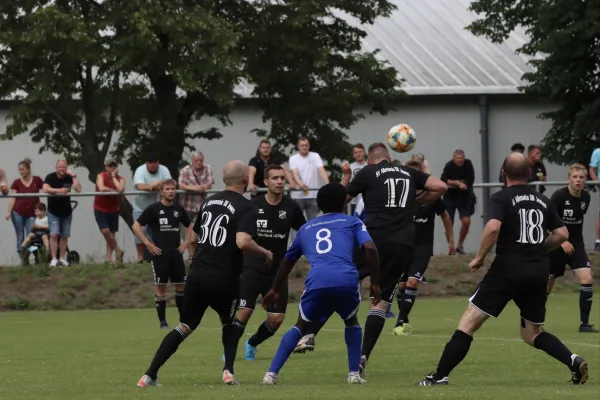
(401, 138)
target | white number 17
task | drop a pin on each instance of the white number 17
(400, 185)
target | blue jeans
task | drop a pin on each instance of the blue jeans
(22, 227)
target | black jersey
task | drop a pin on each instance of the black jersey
(526, 217)
(389, 194)
(273, 224)
(164, 222)
(572, 210)
(425, 222)
(217, 259)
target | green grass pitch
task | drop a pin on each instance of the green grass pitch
(101, 355)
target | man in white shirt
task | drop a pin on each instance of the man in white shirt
(360, 161)
(306, 166)
(594, 172)
(147, 178)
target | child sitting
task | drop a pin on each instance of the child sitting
(40, 226)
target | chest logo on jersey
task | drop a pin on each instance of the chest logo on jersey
(282, 214)
(163, 221)
(176, 214)
(567, 213)
(583, 206)
(261, 211)
(261, 223)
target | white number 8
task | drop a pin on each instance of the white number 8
(323, 238)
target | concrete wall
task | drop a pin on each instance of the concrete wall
(442, 125)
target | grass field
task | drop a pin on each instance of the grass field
(102, 354)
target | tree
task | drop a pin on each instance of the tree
(96, 77)
(566, 33)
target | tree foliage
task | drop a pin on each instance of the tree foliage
(121, 77)
(564, 38)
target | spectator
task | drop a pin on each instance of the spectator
(21, 210)
(306, 166)
(40, 227)
(594, 169)
(3, 182)
(257, 165)
(195, 178)
(421, 158)
(147, 178)
(360, 161)
(60, 211)
(515, 148)
(459, 175)
(106, 208)
(537, 170)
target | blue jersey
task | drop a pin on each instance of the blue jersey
(328, 242)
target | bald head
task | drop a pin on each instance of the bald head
(235, 173)
(516, 167)
(378, 152)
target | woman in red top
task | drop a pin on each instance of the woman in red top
(106, 208)
(21, 210)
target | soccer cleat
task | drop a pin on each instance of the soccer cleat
(270, 379)
(363, 366)
(579, 370)
(229, 379)
(146, 381)
(587, 328)
(250, 352)
(402, 330)
(355, 379)
(164, 325)
(307, 343)
(431, 381)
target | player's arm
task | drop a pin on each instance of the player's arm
(365, 242)
(434, 188)
(291, 258)
(246, 229)
(558, 231)
(358, 185)
(138, 181)
(185, 221)
(498, 212)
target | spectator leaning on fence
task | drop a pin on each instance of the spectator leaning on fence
(60, 211)
(594, 169)
(3, 182)
(195, 179)
(306, 166)
(147, 178)
(459, 175)
(21, 210)
(257, 165)
(537, 170)
(106, 208)
(420, 157)
(360, 161)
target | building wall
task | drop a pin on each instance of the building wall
(442, 125)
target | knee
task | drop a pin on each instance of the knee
(184, 330)
(530, 331)
(401, 285)
(275, 320)
(413, 283)
(352, 321)
(160, 291)
(465, 221)
(586, 278)
(244, 314)
(105, 231)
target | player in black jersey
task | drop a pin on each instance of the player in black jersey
(277, 214)
(424, 229)
(164, 218)
(389, 194)
(571, 203)
(225, 226)
(520, 218)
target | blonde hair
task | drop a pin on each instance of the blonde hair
(577, 167)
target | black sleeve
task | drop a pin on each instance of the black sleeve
(49, 180)
(498, 206)
(148, 215)
(198, 223)
(587, 200)
(557, 201)
(446, 172)
(183, 216)
(299, 219)
(419, 178)
(247, 221)
(360, 182)
(253, 162)
(554, 220)
(438, 207)
(470, 173)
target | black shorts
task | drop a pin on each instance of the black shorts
(495, 291)
(421, 257)
(199, 295)
(394, 261)
(253, 285)
(559, 259)
(168, 267)
(464, 205)
(107, 221)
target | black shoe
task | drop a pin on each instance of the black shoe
(587, 328)
(164, 325)
(362, 367)
(459, 250)
(431, 381)
(579, 370)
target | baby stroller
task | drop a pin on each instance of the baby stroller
(37, 252)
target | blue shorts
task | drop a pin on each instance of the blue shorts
(59, 226)
(319, 304)
(107, 221)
